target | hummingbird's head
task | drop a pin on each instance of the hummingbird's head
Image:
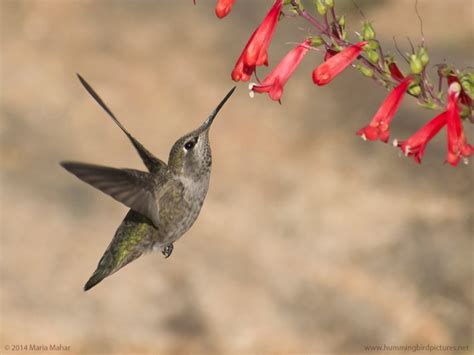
(191, 154)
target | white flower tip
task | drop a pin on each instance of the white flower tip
(364, 138)
(454, 87)
(251, 92)
(395, 142)
(465, 161)
(407, 150)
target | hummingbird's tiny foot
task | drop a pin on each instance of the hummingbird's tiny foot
(167, 250)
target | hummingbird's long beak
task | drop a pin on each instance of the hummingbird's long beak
(205, 126)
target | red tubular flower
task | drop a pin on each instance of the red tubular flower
(332, 67)
(274, 82)
(416, 144)
(457, 144)
(379, 127)
(223, 7)
(255, 51)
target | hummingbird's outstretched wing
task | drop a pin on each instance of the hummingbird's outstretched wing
(151, 162)
(133, 188)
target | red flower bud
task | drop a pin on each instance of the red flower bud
(379, 127)
(327, 71)
(255, 51)
(223, 7)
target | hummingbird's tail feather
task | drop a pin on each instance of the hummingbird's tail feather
(150, 161)
(94, 280)
(114, 258)
(108, 265)
(133, 238)
(133, 188)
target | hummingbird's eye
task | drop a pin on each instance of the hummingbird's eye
(190, 144)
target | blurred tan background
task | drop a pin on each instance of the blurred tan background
(310, 240)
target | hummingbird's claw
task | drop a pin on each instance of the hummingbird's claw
(167, 250)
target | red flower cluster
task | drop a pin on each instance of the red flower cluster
(457, 145)
(415, 146)
(255, 54)
(336, 60)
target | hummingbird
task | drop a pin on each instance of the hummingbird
(164, 202)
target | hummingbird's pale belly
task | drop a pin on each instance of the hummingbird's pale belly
(181, 225)
(178, 219)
